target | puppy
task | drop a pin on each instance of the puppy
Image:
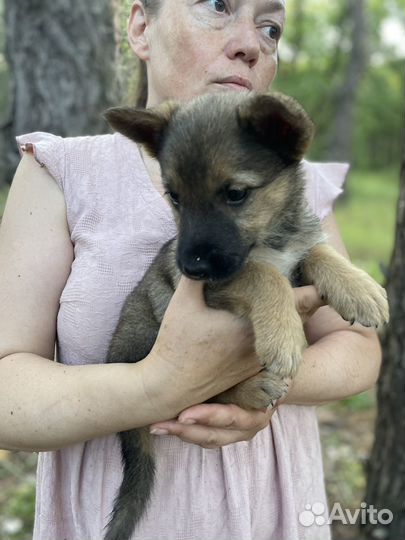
(231, 168)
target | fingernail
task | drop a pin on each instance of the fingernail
(188, 421)
(158, 431)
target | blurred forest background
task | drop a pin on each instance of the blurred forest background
(343, 60)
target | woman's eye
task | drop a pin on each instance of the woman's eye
(218, 5)
(236, 196)
(273, 32)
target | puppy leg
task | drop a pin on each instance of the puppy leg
(349, 290)
(264, 296)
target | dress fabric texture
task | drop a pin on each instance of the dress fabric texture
(245, 491)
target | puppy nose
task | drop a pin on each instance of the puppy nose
(197, 268)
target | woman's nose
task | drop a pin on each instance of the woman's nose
(244, 42)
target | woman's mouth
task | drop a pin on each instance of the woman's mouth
(235, 83)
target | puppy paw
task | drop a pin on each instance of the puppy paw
(260, 391)
(360, 300)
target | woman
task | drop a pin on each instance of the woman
(77, 234)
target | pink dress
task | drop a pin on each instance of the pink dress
(252, 490)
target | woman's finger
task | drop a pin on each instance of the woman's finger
(307, 301)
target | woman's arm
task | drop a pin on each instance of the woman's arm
(44, 405)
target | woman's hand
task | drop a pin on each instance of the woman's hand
(213, 425)
(199, 353)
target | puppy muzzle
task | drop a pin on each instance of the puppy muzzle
(207, 262)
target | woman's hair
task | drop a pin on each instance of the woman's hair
(152, 9)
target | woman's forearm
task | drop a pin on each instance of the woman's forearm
(45, 405)
(338, 365)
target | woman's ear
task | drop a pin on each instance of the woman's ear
(137, 25)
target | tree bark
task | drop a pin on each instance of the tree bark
(386, 468)
(61, 58)
(341, 133)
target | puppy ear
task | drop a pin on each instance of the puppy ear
(279, 122)
(144, 126)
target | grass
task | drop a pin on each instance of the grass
(366, 218)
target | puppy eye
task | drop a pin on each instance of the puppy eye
(235, 197)
(174, 197)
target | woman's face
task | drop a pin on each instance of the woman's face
(197, 46)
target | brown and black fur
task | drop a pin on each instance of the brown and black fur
(212, 152)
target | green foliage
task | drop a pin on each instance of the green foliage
(380, 114)
(314, 53)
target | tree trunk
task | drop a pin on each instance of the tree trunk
(341, 133)
(386, 468)
(61, 59)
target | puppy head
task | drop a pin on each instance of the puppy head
(230, 165)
